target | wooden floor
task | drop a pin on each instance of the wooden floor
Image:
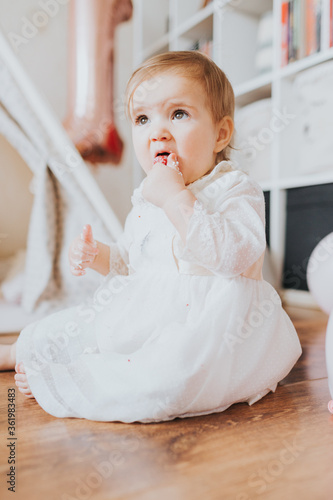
(280, 448)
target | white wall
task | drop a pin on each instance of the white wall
(44, 57)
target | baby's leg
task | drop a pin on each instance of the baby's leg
(7, 362)
(7, 357)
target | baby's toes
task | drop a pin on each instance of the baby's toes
(19, 368)
(27, 392)
(22, 384)
(20, 379)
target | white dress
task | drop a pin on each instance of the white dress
(184, 332)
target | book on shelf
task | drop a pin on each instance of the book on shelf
(284, 34)
(300, 29)
(331, 23)
(313, 26)
(204, 46)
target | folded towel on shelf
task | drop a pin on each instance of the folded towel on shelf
(313, 97)
(264, 55)
(253, 138)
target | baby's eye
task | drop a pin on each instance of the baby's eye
(141, 120)
(180, 114)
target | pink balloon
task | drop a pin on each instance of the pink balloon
(90, 118)
(320, 273)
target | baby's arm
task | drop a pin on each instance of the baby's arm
(179, 209)
(226, 234)
(165, 188)
(101, 263)
(85, 252)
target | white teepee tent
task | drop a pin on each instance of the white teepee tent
(66, 195)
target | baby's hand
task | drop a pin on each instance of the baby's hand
(163, 182)
(82, 252)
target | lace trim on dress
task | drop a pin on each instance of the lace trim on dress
(137, 198)
(223, 166)
(199, 209)
(117, 264)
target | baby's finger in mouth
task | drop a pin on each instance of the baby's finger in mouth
(173, 162)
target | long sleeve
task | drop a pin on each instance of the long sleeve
(119, 251)
(117, 263)
(226, 232)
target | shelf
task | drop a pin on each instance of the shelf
(254, 89)
(298, 181)
(253, 8)
(265, 185)
(305, 180)
(307, 62)
(197, 25)
(160, 45)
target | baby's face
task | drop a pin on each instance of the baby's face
(170, 115)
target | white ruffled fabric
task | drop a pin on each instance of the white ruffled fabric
(174, 330)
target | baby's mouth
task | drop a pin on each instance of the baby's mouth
(162, 158)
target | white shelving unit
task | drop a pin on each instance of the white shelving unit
(232, 26)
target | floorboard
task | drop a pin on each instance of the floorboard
(279, 448)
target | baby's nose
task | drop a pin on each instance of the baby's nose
(160, 134)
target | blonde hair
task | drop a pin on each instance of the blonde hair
(191, 64)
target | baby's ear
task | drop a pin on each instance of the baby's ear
(225, 129)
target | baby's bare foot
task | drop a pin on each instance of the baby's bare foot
(21, 381)
(7, 357)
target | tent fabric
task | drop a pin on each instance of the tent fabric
(61, 206)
